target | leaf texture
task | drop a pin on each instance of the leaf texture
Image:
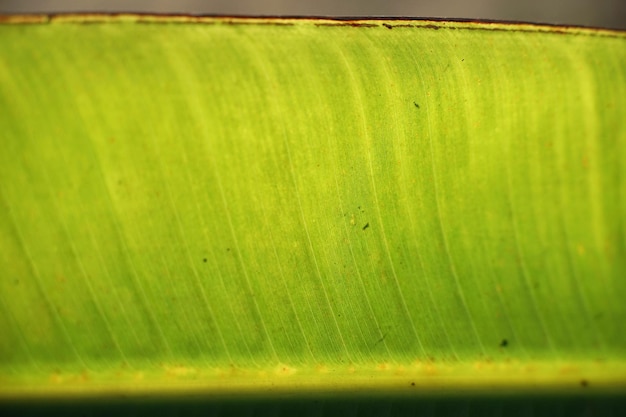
(249, 206)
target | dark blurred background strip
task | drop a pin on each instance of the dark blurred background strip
(600, 13)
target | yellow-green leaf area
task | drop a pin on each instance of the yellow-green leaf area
(238, 205)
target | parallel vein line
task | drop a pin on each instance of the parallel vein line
(440, 220)
(367, 141)
(241, 261)
(190, 261)
(50, 306)
(136, 280)
(213, 258)
(420, 260)
(359, 275)
(122, 237)
(6, 312)
(199, 118)
(87, 280)
(301, 212)
(521, 257)
(286, 287)
(498, 73)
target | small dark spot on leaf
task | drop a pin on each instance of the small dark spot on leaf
(381, 339)
(416, 105)
(366, 226)
(204, 260)
(504, 343)
(584, 383)
(387, 25)
(227, 249)
(462, 59)
(412, 384)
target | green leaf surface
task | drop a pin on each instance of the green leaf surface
(252, 207)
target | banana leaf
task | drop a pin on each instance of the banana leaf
(383, 211)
